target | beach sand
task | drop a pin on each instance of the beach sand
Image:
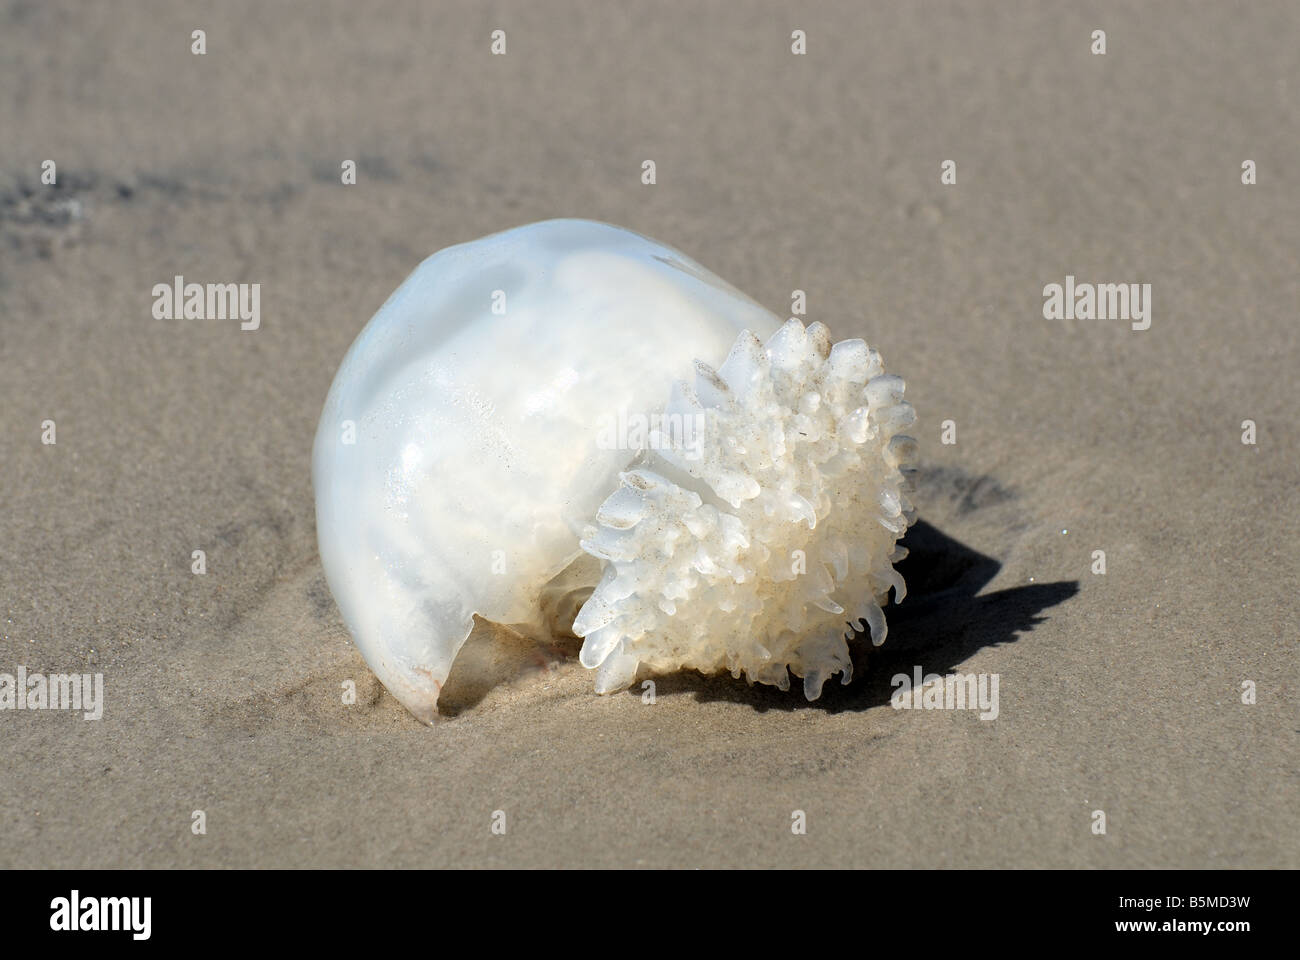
(1119, 692)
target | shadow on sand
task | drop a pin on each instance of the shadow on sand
(939, 626)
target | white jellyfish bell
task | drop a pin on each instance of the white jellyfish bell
(570, 415)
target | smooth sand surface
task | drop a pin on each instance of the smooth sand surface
(1118, 692)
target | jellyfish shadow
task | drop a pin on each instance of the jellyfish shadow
(942, 622)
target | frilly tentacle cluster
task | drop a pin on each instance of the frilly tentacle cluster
(754, 548)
